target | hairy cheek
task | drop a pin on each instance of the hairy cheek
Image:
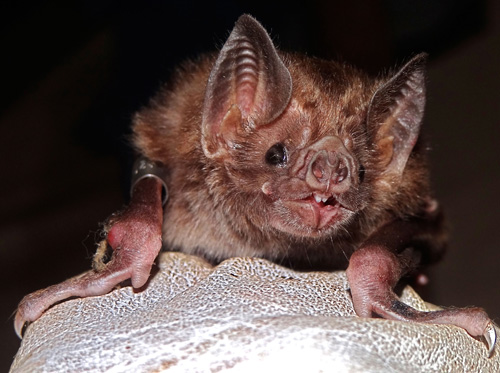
(250, 180)
(281, 217)
(278, 215)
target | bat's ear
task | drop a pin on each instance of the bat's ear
(249, 86)
(396, 111)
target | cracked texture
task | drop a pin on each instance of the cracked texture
(243, 315)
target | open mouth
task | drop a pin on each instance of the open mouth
(321, 200)
(316, 211)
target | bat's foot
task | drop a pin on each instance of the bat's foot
(91, 283)
(125, 264)
(372, 274)
(474, 320)
(135, 237)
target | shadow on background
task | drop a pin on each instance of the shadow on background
(73, 73)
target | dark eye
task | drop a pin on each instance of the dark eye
(276, 155)
(361, 173)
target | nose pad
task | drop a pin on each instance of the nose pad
(328, 171)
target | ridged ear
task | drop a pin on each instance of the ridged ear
(396, 111)
(249, 86)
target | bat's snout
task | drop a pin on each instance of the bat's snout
(330, 166)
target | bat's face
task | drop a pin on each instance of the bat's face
(312, 186)
(300, 144)
(302, 174)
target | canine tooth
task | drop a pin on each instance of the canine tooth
(324, 199)
(317, 198)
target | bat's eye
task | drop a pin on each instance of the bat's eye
(361, 173)
(276, 155)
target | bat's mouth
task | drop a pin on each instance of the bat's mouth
(316, 211)
(321, 201)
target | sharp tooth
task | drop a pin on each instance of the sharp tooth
(317, 198)
(323, 199)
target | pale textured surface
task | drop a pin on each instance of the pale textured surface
(243, 315)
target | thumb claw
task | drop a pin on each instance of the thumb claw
(20, 326)
(490, 337)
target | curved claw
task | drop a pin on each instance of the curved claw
(21, 329)
(490, 337)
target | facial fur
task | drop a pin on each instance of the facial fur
(315, 176)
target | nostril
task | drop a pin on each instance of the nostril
(340, 175)
(317, 170)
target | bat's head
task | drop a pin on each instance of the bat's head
(302, 142)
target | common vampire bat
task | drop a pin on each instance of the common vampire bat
(306, 162)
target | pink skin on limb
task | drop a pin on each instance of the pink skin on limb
(134, 236)
(375, 269)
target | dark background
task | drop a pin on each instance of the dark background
(72, 74)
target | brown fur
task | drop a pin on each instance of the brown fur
(210, 213)
(306, 162)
